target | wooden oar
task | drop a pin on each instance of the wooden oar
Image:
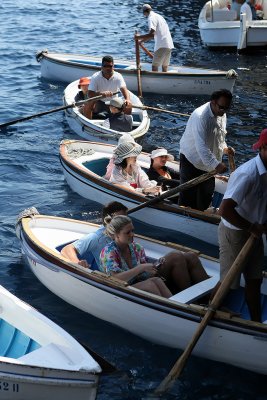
(138, 67)
(146, 50)
(223, 289)
(171, 192)
(160, 110)
(231, 161)
(79, 103)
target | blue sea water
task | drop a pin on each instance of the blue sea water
(31, 174)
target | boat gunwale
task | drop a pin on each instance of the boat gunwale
(165, 75)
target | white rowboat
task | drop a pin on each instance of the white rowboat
(170, 322)
(38, 359)
(219, 28)
(178, 80)
(93, 129)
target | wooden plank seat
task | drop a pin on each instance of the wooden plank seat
(196, 291)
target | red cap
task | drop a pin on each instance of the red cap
(84, 81)
(262, 140)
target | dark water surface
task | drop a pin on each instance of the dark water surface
(31, 172)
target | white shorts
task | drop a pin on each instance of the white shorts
(161, 57)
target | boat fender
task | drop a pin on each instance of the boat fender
(40, 54)
(28, 212)
(231, 74)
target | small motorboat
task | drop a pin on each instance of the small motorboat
(219, 26)
(38, 359)
(84, 166)
(93, 129)
(179, 80)
(169, 322)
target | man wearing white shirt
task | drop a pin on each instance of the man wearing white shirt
(105, 82)
(158, 30)
(202, 147)
(244, 212)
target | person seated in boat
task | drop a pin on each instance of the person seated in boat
(165, 176)
(118, 120)
(128, 173)
(83, 93)
(106, 82)
(125, 259)
(251, 4)
(124, 138)
(86, 250)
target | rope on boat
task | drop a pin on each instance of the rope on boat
(28, 212)
(76, 153)
(231, 74)
(40, 54)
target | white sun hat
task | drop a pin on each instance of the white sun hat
(161, 152)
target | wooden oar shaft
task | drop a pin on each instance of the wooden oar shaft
(223, 289)
(171, 192)
(160, 110)
(79, 103)
(146, 50)
(138, 68)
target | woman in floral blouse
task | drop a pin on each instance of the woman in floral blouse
(127, 261)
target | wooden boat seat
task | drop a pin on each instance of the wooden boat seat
(196, 291)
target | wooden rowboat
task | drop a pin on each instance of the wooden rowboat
(93, 129)
(38, 359)
(178, 80)
(170, 322)
(84, 165)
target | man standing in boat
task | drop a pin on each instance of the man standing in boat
(106, 82)
(202, 147)
(158, 30)
(244, 212)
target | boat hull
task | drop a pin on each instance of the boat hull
(180, 80)
(159, 320)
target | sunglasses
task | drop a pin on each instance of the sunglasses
(107, 66)
(222, 108)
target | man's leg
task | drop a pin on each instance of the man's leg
(253, 298)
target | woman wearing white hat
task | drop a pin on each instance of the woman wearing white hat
(159, 171)
(129, 174)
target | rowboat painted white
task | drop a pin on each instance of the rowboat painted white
(218, 27)
(38, 359)
(84, 166)
(170, 322)
(178, 80)
(94, 129)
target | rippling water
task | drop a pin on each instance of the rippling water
(31, 172)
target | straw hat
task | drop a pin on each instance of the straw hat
(161, 152)
(125, 150)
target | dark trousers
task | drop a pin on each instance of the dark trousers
(200, 196)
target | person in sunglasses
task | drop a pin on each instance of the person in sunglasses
(106, 82)
(202, 147)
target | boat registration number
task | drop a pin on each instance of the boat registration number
(202, 82)
(9, 387)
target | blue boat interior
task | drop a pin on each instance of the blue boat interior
(13, 342)
(97, 63)
(235, 301)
